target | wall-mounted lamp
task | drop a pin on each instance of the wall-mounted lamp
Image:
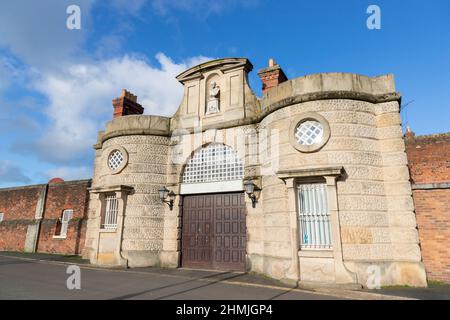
(249, 188)
(164, 194)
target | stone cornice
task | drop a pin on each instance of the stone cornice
(311, 172)
(330, 95)
(120, 188)
(301, 98)
(224, 64)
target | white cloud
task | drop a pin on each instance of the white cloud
(80, 100)
(41, 54)
(202, 8)
(69, 173)
(10, 173)
(36, 32)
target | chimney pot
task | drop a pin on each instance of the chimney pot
(271, 76)
(271, 62)
(126, 105)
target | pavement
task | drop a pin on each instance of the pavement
(43, 276)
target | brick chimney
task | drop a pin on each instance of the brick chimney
(126, 105)
(271, 76)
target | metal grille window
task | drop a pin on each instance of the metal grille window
(115, 159)
(111, 211)
(314, 216)
(309, 132)
(216, 162)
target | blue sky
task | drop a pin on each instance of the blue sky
(56, 85)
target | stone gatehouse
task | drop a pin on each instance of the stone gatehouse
(308, 183)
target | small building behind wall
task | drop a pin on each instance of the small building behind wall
(48, 218)
(309, 183)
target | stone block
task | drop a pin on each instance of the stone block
(356, 235)
(317, 270)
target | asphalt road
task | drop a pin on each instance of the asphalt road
(30, 279)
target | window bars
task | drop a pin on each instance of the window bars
(111, 211)
(309, 133)
(115, 159)
(216, 162)
(314, 216)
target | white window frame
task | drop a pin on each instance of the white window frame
(111, 212)
(66, 216)
(314, 218)
(2, 216)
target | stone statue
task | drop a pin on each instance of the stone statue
(213, 99)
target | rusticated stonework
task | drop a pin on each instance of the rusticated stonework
(363, 165)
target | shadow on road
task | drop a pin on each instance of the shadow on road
(212, 282)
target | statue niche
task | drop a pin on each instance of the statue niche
(213, 101)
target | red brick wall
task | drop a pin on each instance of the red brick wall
(429, 158)
(433, 219)
(429, 163)
(60, 197)
(19, 207)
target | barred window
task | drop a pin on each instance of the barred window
(309, 132)
(314, 216)
(111, 209)
(115, 159)
(216, 162)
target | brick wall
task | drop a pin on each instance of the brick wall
(429, 164)
(63, 196)
(19, 206)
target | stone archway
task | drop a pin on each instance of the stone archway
(214, 211)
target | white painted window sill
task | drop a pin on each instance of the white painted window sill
(59, 237)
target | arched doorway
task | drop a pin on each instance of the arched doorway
(214, 214)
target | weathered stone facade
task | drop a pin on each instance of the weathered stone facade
(362, 164)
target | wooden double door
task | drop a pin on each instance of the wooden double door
(214, 232)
